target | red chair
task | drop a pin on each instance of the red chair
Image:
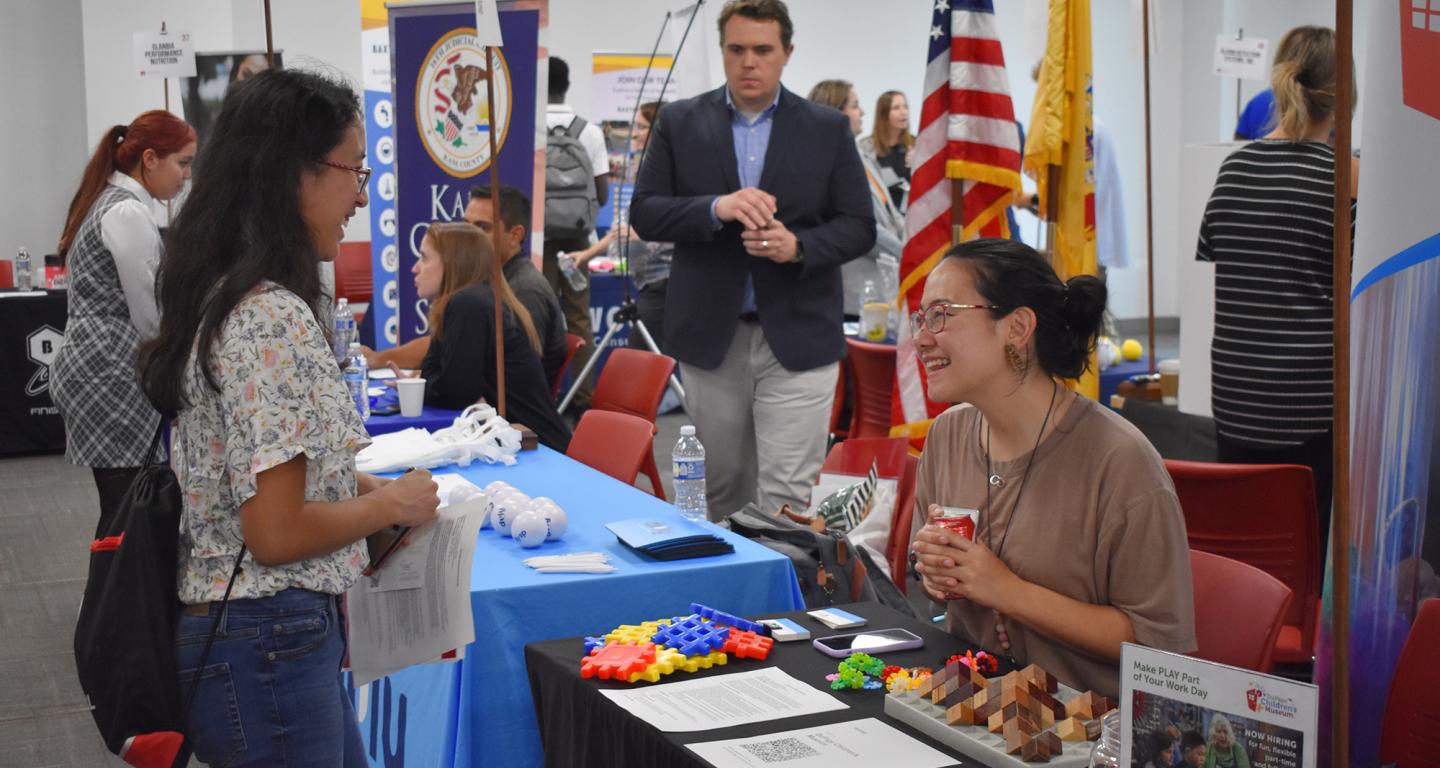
(633, 381)
(1264, 515)
(874, 369)
(7, 277)
(612, 442)
(352, 273)
(1239, 610)
(573, 344)
(892, 458)
(1410, 737)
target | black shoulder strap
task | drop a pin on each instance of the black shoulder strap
(210, 639)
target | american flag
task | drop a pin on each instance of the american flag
(967, 132)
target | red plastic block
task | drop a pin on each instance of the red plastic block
(744, 644)
(618, 662)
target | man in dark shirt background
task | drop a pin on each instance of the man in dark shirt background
(525, 280)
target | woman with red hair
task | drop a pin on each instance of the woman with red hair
(111, 245)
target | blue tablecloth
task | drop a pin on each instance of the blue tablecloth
(478, 711)
(1111, 377)
(430, 418)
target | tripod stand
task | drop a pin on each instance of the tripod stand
(629, 312)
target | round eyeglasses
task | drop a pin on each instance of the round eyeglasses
(362, 174)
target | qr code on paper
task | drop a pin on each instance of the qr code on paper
(780, 750)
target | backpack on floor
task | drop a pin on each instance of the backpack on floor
(570, 203)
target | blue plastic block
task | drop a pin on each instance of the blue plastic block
(729, 619)
(691, 636)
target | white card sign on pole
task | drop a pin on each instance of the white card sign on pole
(164, 54)
(1244, 58)
(487, 23)
(1246, 717)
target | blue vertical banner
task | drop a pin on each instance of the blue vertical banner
(1394, 532)
(380, 156)
(443, 124)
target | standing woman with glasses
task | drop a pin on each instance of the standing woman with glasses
(1079, 544)
(264, 445)
(111, 246)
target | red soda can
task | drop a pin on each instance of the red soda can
(961, 521)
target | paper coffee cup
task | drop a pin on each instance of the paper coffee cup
(412, 396)
(1169, 381)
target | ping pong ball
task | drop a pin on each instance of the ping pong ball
(462, 493)
(529, 529)
(554, 516)
(508, 509)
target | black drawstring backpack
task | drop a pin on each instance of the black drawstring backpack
(124, 638)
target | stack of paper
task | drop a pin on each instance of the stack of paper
(672, 538)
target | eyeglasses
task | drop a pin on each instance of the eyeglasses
(362, 173)
(932, 318)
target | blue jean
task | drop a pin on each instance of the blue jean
(271, 692)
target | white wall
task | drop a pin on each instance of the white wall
(876, 45)
(43, 130)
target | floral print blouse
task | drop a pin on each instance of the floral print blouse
(281, 395)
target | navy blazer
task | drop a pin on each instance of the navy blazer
(814, 172)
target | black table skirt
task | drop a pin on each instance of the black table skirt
(31, 328)
(579, 727)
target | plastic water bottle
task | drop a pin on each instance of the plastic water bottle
(357, 378)
(622, 224)
(688, 471)
(874, 313)
(571, 271)
(344, 328)
(24, 280)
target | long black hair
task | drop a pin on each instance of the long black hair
(1010, 275)
(242, 224)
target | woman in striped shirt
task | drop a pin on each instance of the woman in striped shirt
(1269, 230)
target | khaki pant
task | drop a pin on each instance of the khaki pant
(764, 428)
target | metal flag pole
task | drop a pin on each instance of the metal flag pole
(1340, 521)
(496, 275)
(1150, 196)
(269, 39)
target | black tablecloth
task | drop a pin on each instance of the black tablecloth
(31, 329)
(579, 727)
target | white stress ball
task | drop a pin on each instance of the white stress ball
(528, 529)
(495, 486)
(463, 493)
(554, 516)
(508, 509)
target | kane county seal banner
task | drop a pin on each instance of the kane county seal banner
(1394, 535)
(443, 123)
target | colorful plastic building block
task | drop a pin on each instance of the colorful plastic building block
(617, 662)
(728, 619)
(635, 634)
(744, 644)
(899, 682)
(705, 661)
(849, 679)
(692, 636)
(591, 643)
(887, 672)
(865, 663)
(667, 660)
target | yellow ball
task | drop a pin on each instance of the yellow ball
(1131, 350)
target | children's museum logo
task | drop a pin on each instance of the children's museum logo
(1420, 54)
(450, 104)
(1259, 701)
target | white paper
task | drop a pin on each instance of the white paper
(378, 374)
(857, 742)
(393, 624)
(487, 23)
(724, 701)
(1274, 720)
(1244, 58)
(164, 55)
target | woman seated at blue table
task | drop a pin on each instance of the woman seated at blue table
(453, 274)
(1079, 544)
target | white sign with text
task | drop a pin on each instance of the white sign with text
(1245, 58)
(164, 54)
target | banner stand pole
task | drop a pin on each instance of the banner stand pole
(496, 275)
(1340, 522)
(1150, 195)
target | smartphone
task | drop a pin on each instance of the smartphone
(399, 532)
(869, 641)
(386, 410)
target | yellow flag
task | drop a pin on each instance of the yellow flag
(1062, 134)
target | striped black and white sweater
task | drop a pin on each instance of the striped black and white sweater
(1269, 230)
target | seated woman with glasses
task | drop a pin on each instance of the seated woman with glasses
(1079, 544)
(453, 274)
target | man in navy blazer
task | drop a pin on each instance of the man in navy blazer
(764, 196)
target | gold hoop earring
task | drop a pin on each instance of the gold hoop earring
(1018, 363)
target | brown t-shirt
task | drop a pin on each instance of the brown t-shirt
(1098, 522)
